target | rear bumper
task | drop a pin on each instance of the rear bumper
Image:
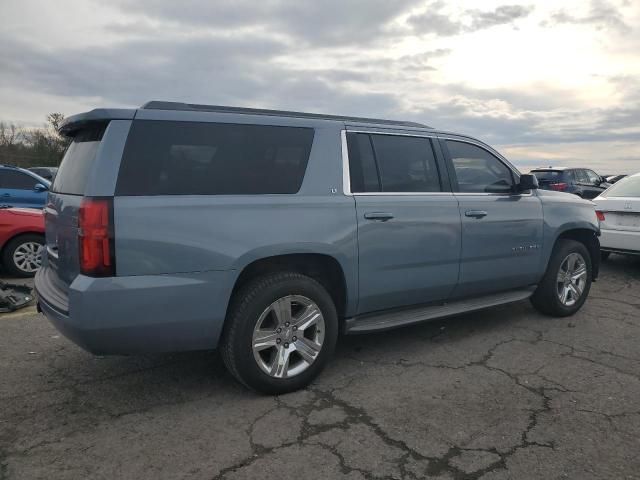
(141, 314)
(620, 240)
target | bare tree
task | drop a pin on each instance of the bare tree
(9, 134)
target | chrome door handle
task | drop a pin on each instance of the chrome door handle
(382, 216)
(475, 213)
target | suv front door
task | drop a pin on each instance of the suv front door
(408, 221)
(501, 229)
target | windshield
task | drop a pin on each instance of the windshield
(627, 187)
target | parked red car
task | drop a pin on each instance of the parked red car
(21, 240)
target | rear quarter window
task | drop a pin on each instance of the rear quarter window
(77, 161)
(189, 158)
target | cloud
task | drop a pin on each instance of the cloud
(432, 20)
(502, 15)
(602, 15)
(325, 23)
(371, 59)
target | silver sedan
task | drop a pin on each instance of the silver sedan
(618, 210)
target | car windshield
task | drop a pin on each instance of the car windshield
(627, 187)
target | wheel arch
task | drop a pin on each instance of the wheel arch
(589, 238)
(322, 267)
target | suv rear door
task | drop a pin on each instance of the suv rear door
(501, 230)
(408, 220)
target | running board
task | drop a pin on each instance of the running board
(398, 318)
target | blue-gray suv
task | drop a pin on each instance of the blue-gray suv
(267, 233)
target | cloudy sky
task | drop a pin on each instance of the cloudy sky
(546, 82)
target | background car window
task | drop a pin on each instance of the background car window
(362, 165)
(406, 164)
(16, 180)
(477, 170)
(593, 177)
(547, 176)
(189, 158)
(581, 177)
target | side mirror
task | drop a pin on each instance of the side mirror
(527, 182)
(40, 187)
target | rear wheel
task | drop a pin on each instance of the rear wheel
(280, 332)
(567, 281)
(22, 256)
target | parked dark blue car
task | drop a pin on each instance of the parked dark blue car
(22, 188)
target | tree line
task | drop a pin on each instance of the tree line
(33, 147)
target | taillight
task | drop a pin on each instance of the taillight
(558, 187)
(600, 215)
(95, 237)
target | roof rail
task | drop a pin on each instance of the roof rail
(161, 105)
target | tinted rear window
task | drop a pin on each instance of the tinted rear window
(547, 175)
(77, 161)
(188, 158)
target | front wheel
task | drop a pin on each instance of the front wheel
(567, 281)
(280, 332)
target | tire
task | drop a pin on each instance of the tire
(257, 305)
(24, 244)
(547, 299)
(604, 256)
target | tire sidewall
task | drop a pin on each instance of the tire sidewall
(566, 248)
(7, 254)
(248, 316)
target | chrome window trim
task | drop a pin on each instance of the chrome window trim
(346, 177)
(396, 194)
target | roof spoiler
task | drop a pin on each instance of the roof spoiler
(72, 124)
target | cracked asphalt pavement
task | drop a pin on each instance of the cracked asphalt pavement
(501, 394)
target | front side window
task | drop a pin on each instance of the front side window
(477, 170)
(15, 180)
(190, 158)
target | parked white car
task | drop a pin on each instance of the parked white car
(618, 210)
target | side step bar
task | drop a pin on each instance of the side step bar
(398, 318)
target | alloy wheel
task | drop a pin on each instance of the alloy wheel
(28, 257)
(288, 336)
(572, 279)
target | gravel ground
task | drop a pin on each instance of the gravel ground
(505, 393)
